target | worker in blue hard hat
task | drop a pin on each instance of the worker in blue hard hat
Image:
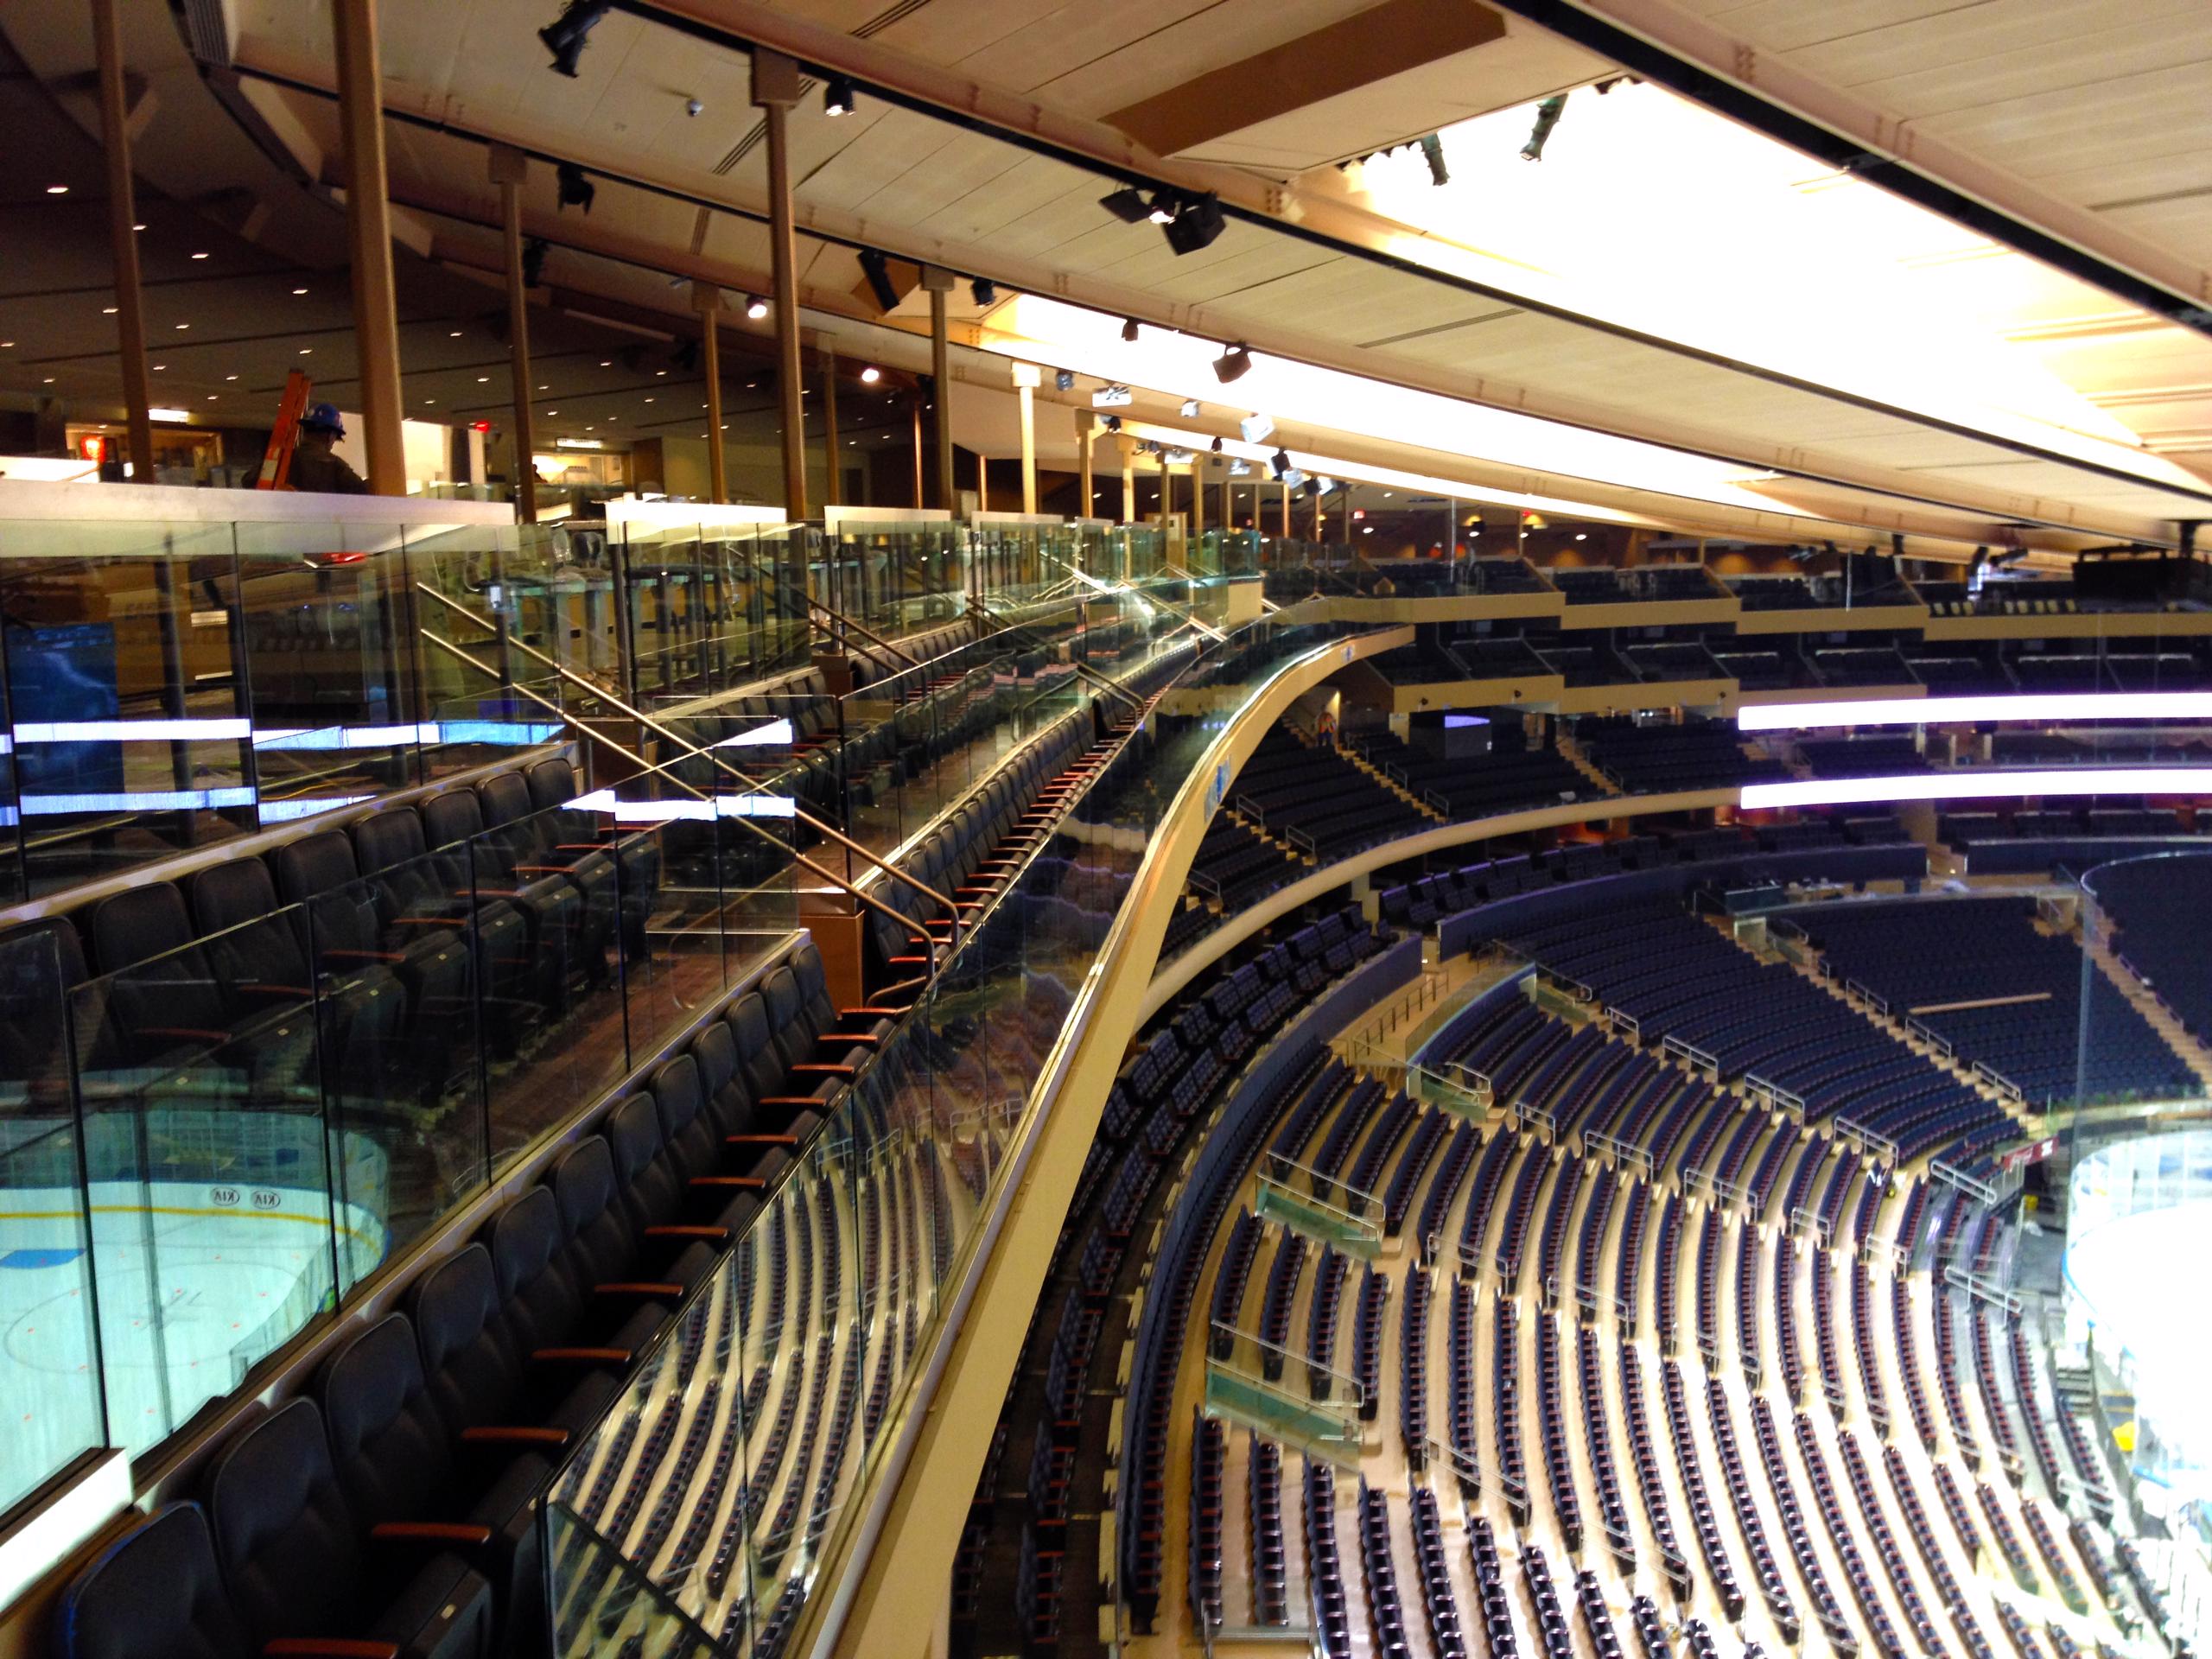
(315, 466)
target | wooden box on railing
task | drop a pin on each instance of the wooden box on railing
(836, 671)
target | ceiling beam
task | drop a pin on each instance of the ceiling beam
(260, 59)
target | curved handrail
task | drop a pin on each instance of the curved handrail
(829, 832)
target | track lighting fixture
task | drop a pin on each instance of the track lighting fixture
(1279, 463)
(1063, 379)
(877, 270)
(986, 291)
(577, 190)
(1432, 152)
(1113, 423)
(1130, 330)
(564, 36)
(1548, 114)
(1313, 489)
(1217, 446)
(1196, 222)
(755, 307)
(1234, 364)
(1126, 204)
(533, 261)
(838, 97)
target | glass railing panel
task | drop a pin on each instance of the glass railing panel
(329, 623)
(125, 694)
(50, 1384)
(208, 1155)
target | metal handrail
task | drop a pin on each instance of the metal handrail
(648, 768)
(829, 832)
(864, 631)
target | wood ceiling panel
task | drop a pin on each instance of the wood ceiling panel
(2082, 127)
(2039, 41)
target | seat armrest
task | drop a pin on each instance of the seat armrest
(712, 1235)
(260, 988)
(327, 1646)
(513, 1435)
(465, 1534)
(366, 955)
(872, 1013)
(581, 1356)
(190, 1033)
(772, 1140)
(808, 1101)
(748, 1182)
(647, 1288)
(811, 1067)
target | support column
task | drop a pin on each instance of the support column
(1025, 386)
(509, 168)
(1197, 496)
(368, 237)
(775, 89)
(938, 281)
(1129, 483)
(1228, 500)
(828, 354)
(706, 300)
(1167, 489)
(917, 411)
(1286, 511)
(1083, 421)
(122, 213)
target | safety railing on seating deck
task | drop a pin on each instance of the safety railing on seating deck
(807, 1336)
(209, 1149)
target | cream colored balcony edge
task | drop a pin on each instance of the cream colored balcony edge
(892, 1581)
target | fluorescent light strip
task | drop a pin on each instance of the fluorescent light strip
(1981, 785)
(1931, 711)
(128, 731)
(141, 800)
(720, 806)
(776, 731)
(307, 807)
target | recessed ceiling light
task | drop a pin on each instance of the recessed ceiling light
(57, 189)
(7, 344)
(648, 400)
(230, 377)
(541, 388)
(429, 400)
(660, 371)
(181, 326)
(454, 335)
(299, 290)
(137, 227)
(606, 362)
(870, 375)
(552, 411)
(307, 351)
(107, 310)
(199, 256)
(48, 381)
(212, 395)
(483, 380)
(158, 367)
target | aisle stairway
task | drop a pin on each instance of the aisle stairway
(2176, 1035)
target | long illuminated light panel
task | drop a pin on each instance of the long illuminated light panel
(1942, 711)
(1981, 785)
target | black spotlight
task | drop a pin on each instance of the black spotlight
(1432, 152)
(985, 290)
(1197, 223)
(1234, 364)
(564, 36)
(1217, 446)
(1113, 423)
(1548, 114)
(577, 190)
(1063, 379)
(1126, 204)
(838, 97)
(1129, 329)
(877, 270)
(1279, 462)
(533, 261)
(1313, 489)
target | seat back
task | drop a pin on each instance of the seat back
(320, 874)
(154, 1591)
(539, 1294)
(599, 1244)
(647, 1178)
(761, 1064)
(288, 1544)
(468, 1361)
(721, 1086)
(388, 1442)
(686, 1129)
(238, 901)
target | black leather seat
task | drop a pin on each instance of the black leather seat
(397, 1462)
(300, 1562)
(478, 1374)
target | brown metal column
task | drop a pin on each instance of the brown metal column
(938, 282)
(828, 354)
(1083, 419)
(1025, 380)
(775, 89)
(1285, 513)
(510, 167)
(917, 411)
(122, 213)
(368, 236)
(706, 300)
(1128, 482)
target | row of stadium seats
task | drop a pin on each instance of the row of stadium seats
(394, 1508)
